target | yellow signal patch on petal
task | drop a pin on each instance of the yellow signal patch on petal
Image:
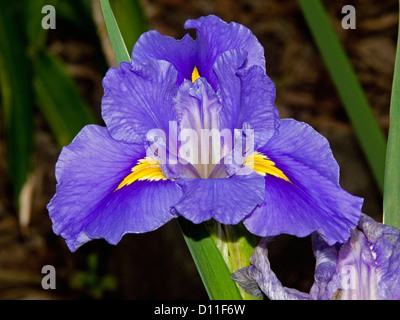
(146, 169)
(263, 166)
(195, 74)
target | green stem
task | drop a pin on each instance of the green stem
(236, 246)
(213, 271)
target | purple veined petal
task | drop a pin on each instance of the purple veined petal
(197, 107)
(304, 143)
(372, 255)
(386, 245)
(357, 269)
(230, 90)
(87, 205)
(247, 96)
(367, 266)
(308, 203)
(222, 199)
(326, 280)
(154, 46)
(139, 99)
(311, 201)
(215, 36)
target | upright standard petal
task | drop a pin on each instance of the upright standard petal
(247, 97)
(312, 199)
(154, 46)
(88, 203)
(139, 99)
(215, 36)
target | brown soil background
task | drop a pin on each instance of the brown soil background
(158, 265)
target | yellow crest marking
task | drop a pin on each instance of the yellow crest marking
(263, 166)
(146, 169)
(195, 74)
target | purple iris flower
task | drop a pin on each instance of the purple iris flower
(192, 130)
(366, 267)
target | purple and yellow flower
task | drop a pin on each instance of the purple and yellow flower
(178, 120)
(366, 267)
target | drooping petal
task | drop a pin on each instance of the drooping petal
(154, 46)
(367, 266)
(327, 282)
(215, 36)
(356, 262)
(369, 262)
(311, 200)
(87, 205)
(222, 199)
(247, 97)
(139, 99)
(306, 145)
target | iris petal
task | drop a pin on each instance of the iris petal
(139, 99)
(215, 36)
(303, 143)
(312, 201)
(154, 46)
(247, 97)
(87, 206)
(222, 199)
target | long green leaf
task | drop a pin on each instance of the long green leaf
(131, 21)
(213, 271)
(16, 76)
(117, 42)
(391, 197)
(59, 101)
(369, 135)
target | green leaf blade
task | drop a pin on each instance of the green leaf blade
(391, 197)
(59, 101)
(117, 42)
(131, 20)
(18, 108)
(213, 271)
(369, 135)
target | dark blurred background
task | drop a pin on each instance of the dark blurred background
(158, 265)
